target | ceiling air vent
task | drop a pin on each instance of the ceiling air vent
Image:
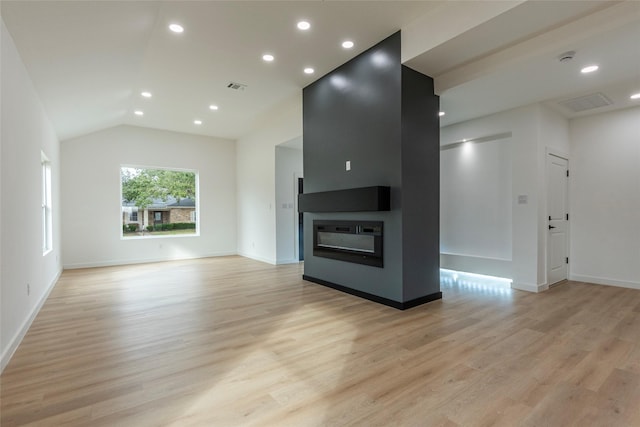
(587, 102)
(236, 86)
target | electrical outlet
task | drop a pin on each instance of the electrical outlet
(347, 165)
(28, 289)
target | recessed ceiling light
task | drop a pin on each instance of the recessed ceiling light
(441, 113)
(303, 25)
(146, 94)
(268, 57)
(197, 122)
(589, 69)
(213, 107)
(309, 70)
(635, 96)
(176, 28)
(138, 113)
(347, 44)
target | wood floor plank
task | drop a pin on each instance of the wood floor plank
(564, 405)
(619, 403)
(234, 342)
(592, 371)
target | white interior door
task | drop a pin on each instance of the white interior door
(557, 205)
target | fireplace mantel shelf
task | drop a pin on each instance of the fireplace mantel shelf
(364, 199)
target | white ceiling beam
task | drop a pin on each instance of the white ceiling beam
(599, 22)
(447, 20)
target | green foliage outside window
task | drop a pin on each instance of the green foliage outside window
(151, 198)
(142, 186)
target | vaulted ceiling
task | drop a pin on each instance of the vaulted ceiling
(90, 61)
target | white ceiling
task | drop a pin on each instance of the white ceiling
(529, 71)
(90, 60)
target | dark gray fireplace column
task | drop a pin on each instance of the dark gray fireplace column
(373, 122)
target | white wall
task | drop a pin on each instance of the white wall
(605, 198)
(522, 124)
(554, 130)
(26, 131)
(475, 206)
(2, 55)
(288, 170)
(91, 195)
(256, 179)
(529, 142)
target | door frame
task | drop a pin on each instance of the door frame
(565, 156)
(296, 233)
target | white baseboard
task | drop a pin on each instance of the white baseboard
(18, 337)
(257, 258)
(529, 287)
(287, 261)
(604, 281)
(111, 263)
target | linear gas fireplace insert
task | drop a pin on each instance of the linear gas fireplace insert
(350, 241)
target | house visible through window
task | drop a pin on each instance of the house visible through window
(158, 202)
(47, 222)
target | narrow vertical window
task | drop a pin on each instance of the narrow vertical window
(47, 222)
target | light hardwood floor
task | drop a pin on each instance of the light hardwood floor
(234, 342)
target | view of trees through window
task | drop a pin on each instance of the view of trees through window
(158, 202)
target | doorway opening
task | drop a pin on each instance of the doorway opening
(288, 180)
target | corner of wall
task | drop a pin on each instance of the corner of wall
(529, 287)
(8, 352)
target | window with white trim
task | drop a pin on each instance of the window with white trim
(158, 202)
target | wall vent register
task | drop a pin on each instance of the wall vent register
(358, 242)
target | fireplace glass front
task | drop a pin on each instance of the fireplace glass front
(351, 241)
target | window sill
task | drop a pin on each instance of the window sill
(175, 236)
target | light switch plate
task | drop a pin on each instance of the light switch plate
(347, 165)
